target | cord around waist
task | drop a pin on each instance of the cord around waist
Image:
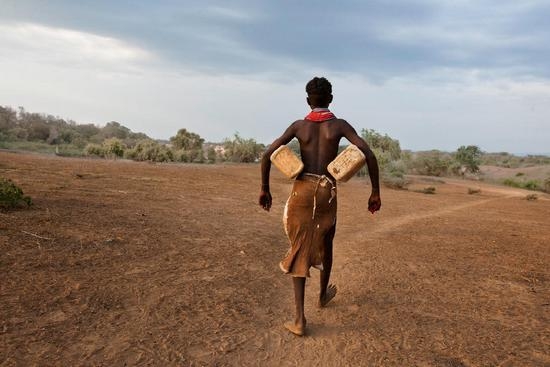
(313, 177)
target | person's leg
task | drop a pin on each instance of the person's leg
(327, 292)
(299, 325)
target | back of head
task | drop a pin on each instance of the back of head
(319, 92)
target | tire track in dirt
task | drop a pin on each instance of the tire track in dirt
(407, 219)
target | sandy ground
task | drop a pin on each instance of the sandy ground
(134, 264)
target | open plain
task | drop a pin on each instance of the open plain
(120, 263)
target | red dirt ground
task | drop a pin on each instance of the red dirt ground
(123, 263)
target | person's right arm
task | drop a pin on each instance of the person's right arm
(372, 165)
(265, 194)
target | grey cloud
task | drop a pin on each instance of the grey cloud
(377, 39)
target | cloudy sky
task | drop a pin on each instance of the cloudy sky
(433, 74)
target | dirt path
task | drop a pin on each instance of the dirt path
(123, 263)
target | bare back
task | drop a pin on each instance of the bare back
(319, 143)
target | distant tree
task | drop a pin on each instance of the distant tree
(470, 157)
(382, 143)
(87, 130)
(242, 150)
(8, 119)
(431, 163)
(186, 140)
(114, 129)
(211, 155)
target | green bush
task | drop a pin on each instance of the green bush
(511, 182)
(431, 163)
(95, 150)
(150, 150)
(189, 156)
(529, 184)
(532, 185)
(11, 196)
(113, 148)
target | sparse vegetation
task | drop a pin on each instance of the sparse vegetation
(384, 147)
(394, 175)
(472, 191)
(531, 197)
(11, 195)
(507, 160)
(535, 185)
(239, 149)
(430, 190)
(431, 163)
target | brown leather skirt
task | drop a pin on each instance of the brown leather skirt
(310, 213)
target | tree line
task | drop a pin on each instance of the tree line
(42, 132)
(20, 129)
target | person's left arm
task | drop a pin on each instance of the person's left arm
(265, 199)
(372, 165)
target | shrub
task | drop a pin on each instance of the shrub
(393, 175)
(532, 185)
(529, 185)
(94, 149)
(394, 181)
(511, 182)
(242, 150)
(472, 191)
(150, 150)
(432, 163)
(113, 148)
(188, 156)
(547, 185)
(11, 195)
(531, 197)
(428, 190)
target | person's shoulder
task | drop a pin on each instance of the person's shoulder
(341, 122)
(297, 123)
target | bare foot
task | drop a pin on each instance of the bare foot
(296, 329)
(329, 294)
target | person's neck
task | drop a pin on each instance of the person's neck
(319, 109)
